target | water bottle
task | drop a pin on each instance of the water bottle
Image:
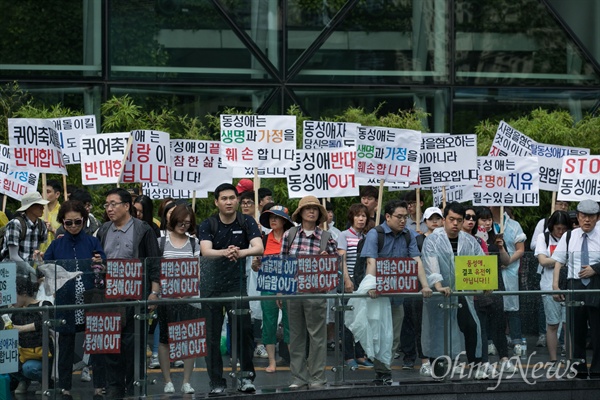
(524, 349)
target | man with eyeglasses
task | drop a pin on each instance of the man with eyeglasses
(126, 237)
(226, 239)
(411, 201)
(581, 255)
(398, 243)
(439, 250)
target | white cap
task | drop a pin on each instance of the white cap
(30, 199)
(431, 211)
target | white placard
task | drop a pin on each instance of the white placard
(149, 159)
(391, 186)
(158, 192)
(70, 129)
(197, 165)
(323, 173)
(10, 351)
(448, 160)
(101, 157)
(510, 142)
(8, 283)
(456, 193)
(258, 140)
(326, 135)
(550, 157)
(507, 181)
(269, 172)
(579, 178)
(388, 153)
(14, 184)
(35, 146)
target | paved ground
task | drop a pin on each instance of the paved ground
(276, 383)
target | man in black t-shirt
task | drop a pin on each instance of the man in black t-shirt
(226, 239)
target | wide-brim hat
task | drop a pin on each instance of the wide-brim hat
(309, 201)
(280, 211)
(30, 199)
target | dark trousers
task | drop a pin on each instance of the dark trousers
(493, 326)
(214, 314)
(98, 363)
(66, 356)
(120, 367)
(579, 331)
(413, 315)
(468, 326)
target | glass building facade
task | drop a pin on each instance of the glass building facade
(462, 61)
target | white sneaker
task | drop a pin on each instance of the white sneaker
(541, 342)
(245, 385)
(507, 366)
(492, 349)
(85, 375)
(480, 374)
(425, 370)
(517, 349)
(187, 388)
(169, 388)
(22, 387)
(490, 370)
(178, 364)
(154, 363)
(260, 351)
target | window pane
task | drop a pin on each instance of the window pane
(508, 43)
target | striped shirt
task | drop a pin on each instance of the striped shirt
(348, 240)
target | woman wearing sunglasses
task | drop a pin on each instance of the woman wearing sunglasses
(74, 251)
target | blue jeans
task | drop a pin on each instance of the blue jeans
(514, 325)
(32, 370)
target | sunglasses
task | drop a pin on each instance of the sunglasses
(470, 217)
(71, 222)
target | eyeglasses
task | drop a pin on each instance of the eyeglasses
(470, 217)
(71, 222)
(247, 203)
(401, 217)
(111, 205)
(184, 224)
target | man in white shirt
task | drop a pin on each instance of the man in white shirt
(582, 256)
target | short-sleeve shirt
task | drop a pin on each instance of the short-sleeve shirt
(119, 241)
(348, 240)
(394, 245)
(546, 249)
(222, 275)
(35, 234)
(573, 258)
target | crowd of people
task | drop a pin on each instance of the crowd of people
(231, 244)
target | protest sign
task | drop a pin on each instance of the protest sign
(476, 272)
(102, 157)
(270, 172)
(9, 351)
(447, 160)
(8, 283)
(258, 140)
(277, 274)
(124, 279)
(179, 277)
(510, 142)
(70, 129)
(391, 186)
(579, 178)
(324, 134)
(550, 158)
(102, 333)
(396, 275)
(507, 181)
(388, 153)
(157, 191)
(459, 194)
(187, 339)
(323, 173)
(149, 159)
(14, 184)
(197, 165)
(35, 146)
(317, 274)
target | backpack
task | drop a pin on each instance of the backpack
(23, 223)
(564, 271)
(360, 268)
(325, 236)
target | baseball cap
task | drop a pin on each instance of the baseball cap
(244, 185)
(431, 211)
